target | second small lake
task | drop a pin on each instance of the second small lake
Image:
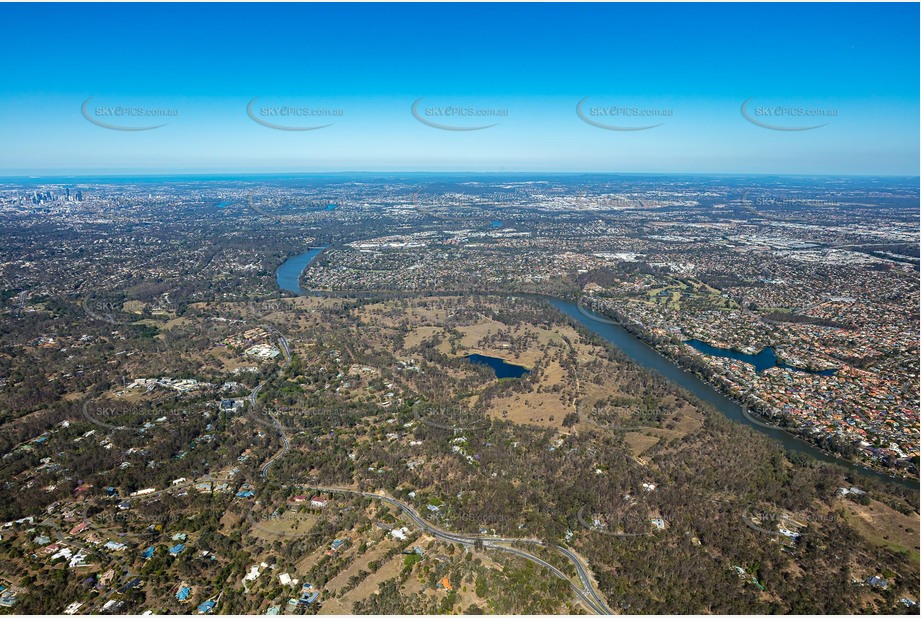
(765, 359)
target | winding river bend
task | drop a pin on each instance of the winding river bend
(288, 275)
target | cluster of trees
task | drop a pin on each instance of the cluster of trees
(522, 482)
(706, 483)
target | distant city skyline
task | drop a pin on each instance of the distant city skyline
(823, 89)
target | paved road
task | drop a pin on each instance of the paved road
(285, 447)
(286, 349)
(588, 594)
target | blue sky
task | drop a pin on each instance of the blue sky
(851, 67)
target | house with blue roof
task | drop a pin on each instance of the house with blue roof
(176, 549)
(878, 582)
(148, 553)
(206, 607)
(7, 599)
(183, 593)
(307, 599)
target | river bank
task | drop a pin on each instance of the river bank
(632, 346)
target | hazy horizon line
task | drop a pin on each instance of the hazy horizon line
(154, 174)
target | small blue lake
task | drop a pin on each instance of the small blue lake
(499, 366)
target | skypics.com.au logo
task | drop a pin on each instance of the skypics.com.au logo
(782, 524)
(124, 117)
(450, 418)
(289, 117)
(613, 117)
(619, 525)
(454, 117)
(785, 117)
(755, 200)
(122, 416)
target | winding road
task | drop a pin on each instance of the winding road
(587, 593)
(286, 446)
